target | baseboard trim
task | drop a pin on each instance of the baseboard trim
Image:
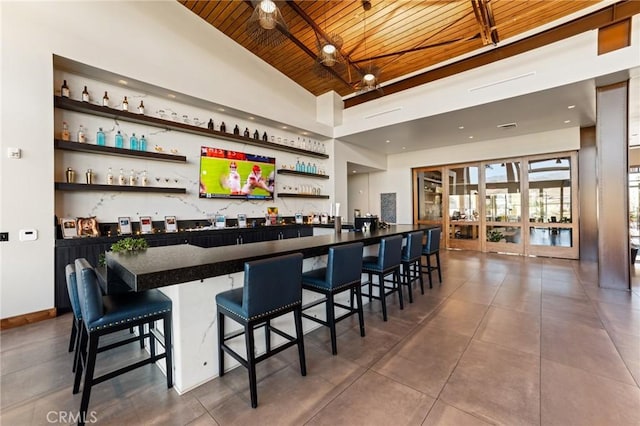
(30, 318)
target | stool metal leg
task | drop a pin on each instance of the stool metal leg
(397, 283)
(297, 314)
(383, 298)
(251, 364)
(331, 322)
(358, 291)
(220, 343)
(438, 264)
(167, 347)
(88, 378)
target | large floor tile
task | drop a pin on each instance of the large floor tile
(496, 384)
(518, 299)
(563, 287)
(458, 316)
(476, 292)
(629, 348)
(571, 396)
(375, 400)
(563, 308)
(425, 360)
(445, 415)
(621, 318)
(514, 330)
(582, 347)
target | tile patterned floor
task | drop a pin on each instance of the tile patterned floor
(504, 340)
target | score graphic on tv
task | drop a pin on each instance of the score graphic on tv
(234, 174)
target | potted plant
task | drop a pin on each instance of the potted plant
(125, 245)
(494, 236)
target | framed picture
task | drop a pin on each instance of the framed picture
(299, 218)
(170, 224)
(69, 228)
(124, 225)
(242, 221)
(146, 225)
(221, 221)
(87, 226)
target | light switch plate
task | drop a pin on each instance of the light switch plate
(14, 153)
(28, 235)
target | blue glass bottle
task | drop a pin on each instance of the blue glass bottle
(297, 165)
(133, 142)
(143, 143)
(119, 140)
(100, 138)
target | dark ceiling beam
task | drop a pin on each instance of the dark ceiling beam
(300, 12)
(601, 18)
(491, 22)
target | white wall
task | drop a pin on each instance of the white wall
(358, 194)
(161, 43)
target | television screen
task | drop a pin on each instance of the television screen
(234, 174)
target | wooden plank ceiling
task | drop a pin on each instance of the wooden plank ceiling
(398, 37)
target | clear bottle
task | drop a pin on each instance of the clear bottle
(145, 179)
(314, 169)
(81, 135)
(141, 108)
(100, 137)
(119, 143)
(143, 143)
(85, 94)
(132, 178)
(133, 142)
(65, 135)
(125, 104)
(121, 178)
(64, 91)
(105, 100)
(109, 177)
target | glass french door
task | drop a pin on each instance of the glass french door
(463, 212)
(503, 207)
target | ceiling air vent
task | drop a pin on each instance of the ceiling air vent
(507, 126)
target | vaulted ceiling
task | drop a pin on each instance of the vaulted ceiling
(399, 37)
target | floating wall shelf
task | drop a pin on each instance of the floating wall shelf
(109, 150)
(288, 195)
(63, 186)
(305, 174)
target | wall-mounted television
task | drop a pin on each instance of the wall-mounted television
(233, 174)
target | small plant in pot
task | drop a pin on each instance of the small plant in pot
(495, 236)
(126, 245)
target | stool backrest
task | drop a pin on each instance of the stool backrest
(413, 249)
(344, 264)
(433, 241)
(89, 294)
(72, 289)
(272, 284)
(390, 251)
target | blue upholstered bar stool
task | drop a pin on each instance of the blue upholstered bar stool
(386, 263)
(103, 315)
(272, 287)
(411, 256)
(432, 247)
(76, 326)
(343, 273)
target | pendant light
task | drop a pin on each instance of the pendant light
(371, 73)
(266, 25)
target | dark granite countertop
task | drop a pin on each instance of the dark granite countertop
(164, 266)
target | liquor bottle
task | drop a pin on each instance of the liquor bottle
(109, 177)
(125, 104)
(314, 169)
(246, 132)
(143, 143)
(265, 138)
(89, 175)
(223, 128)
(65, 135)
(81, 137)
(141, 108)
(64, 91)
(297, 165)
(144, 179)
(85, 95)
(210, 124)
(100, 138)
(256, 135)
(132, 178)
(70, 174)
(308, 169)
(133, 142)
(105, 100)
(121, 179)
(119, 140)
(236, 130)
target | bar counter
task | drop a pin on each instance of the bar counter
(192, 276)
(164, 266)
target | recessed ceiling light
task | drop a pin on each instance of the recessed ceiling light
(470, 137)
(460, 127)
(285, 127)
(404, 147)
(353, 171)
(171, 95)
(571, 107)
(567, 121)
(305, 133)
(251, 118)
(221, 109)
(123, 82)
(388, 141)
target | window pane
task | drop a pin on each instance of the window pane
(430, 195)
(550, 190)
(503, 200)
(549, 236)
(504, 234)
(463, 202)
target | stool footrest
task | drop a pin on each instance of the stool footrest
(112, 374)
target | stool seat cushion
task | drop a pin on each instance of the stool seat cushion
(231, 300)
(122, 308)
(370, 263)
(316, 278)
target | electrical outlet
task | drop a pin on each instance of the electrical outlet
(4, 236)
